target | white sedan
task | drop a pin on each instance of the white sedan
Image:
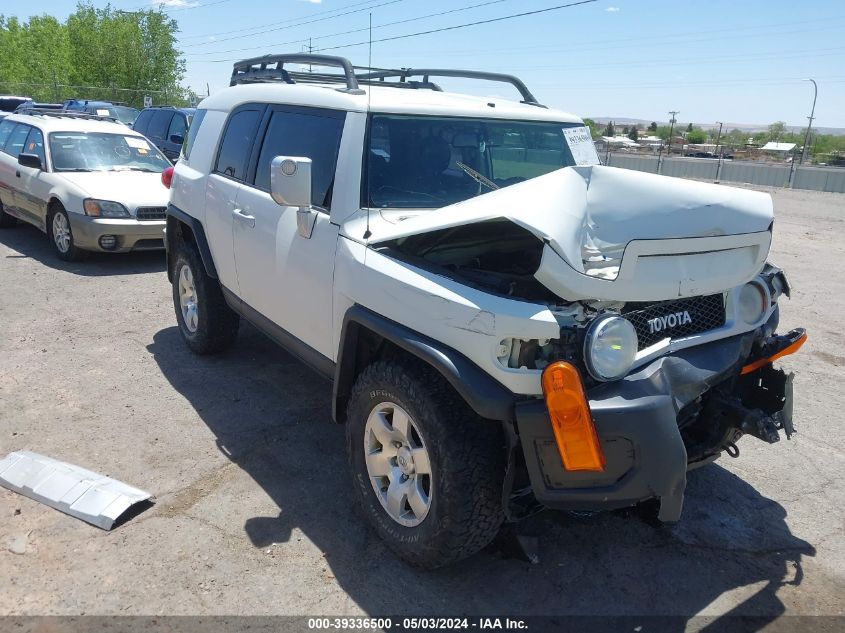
(89, 183)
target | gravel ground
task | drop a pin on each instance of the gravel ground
(253, 511)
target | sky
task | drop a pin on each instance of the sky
(736, 61)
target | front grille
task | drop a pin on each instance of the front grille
(150, 213)
(676, 319)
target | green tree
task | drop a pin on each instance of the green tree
(609, 130)
(653, 127)
(697, 135)
(689, 127)
(776, 130)
(634, 134)
(96, 53)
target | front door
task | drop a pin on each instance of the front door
(283, 274)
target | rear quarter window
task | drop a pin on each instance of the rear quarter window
(6, 128)
(159, 124)
(193, 130)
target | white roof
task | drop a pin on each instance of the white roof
(771, 146)
(52, 123)
(618, 140)
(383, 99)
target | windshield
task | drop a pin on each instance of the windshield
(429, 162)
(98, 151)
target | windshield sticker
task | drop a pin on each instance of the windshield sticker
(581, 145)
(137, 143)
(101, 112)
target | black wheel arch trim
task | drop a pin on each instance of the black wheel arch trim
(199, 235)
(483, 393)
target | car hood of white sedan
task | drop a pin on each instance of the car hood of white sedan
(130, 188)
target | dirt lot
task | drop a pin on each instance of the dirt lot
(253, 509)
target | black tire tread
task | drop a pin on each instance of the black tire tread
(218, 325)
(6, 221)
(473, 456)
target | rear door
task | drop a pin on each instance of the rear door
(14, 147)
(224, 182)
(33, 190)
(8, 167)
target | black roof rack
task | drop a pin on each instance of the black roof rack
(256, 70)
(69, 114)
(403, 73)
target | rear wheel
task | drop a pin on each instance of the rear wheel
(206, 322)
(61, 235)
(6, 221)
(427, 471)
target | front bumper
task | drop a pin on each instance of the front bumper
(131, 234)
(665, 418)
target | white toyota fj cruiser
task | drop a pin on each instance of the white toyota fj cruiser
(509, 325)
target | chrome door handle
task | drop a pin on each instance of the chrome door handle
(243, 217)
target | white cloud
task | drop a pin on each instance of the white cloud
(313, 1)
(176, 4)
(608, 9)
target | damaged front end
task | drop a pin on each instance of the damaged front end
(654, 293)
(672, 415)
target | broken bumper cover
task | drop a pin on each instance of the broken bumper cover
(637, 420)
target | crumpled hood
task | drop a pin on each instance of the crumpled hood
(603, 223)
(130, 188)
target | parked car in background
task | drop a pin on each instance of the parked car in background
(123, 113)
(29, 104)
(166, 126)
(8, 103)
(91, 184)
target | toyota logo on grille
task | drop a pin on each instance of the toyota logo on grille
(673, 320)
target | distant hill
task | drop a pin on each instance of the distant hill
(745, 127)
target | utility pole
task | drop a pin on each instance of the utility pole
(812, 113)
(718, 152)
(671, 129)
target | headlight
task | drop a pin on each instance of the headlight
(104, 209)
(753, 302)
(610, 347)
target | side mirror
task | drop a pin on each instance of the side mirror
(30, 160)
(290, 181)
(177, 138)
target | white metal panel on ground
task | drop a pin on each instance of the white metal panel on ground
(81, 493)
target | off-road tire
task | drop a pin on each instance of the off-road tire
(73, 253)
(467, 464)
(6, 221)
(217, 323)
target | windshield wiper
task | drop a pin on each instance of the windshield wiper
(481, 179)
(75, 169)
(143, 169)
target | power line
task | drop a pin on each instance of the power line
(290, 26)
(167, 8)
(379, 26)
(289, 20)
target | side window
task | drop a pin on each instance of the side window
(143, 121)
(35, 145)
(199, 115)
(17, 140)
(6, 128)
(315, 136)
(237, 143)
(178, 126)
(159, 124)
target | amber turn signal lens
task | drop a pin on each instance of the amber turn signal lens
(572, 421)
(91, 207)
(786, 351)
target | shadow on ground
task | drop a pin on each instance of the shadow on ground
(31, 242)
(271, 416)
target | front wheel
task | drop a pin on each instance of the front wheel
(61, 235)
(427, 471)
(206, 322)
